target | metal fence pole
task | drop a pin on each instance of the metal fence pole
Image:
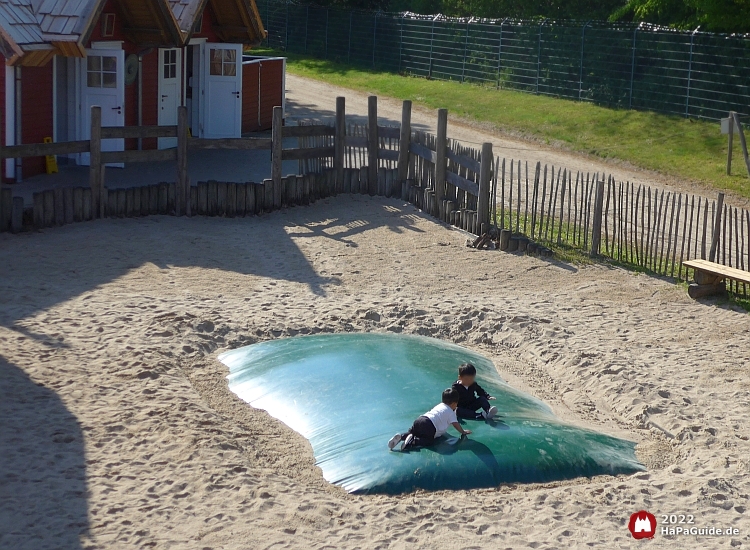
(580, 74)
(307, 24)
(466, 47)
(325, 55)
(374, 38)
(268, 18)
(632, 70)
(500, 52)
(286, 28)
(400, 41)
(349, 48)
(690, 74)
(432, 39)
(539, 56)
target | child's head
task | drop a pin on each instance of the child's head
(450, 398)
(467, 373)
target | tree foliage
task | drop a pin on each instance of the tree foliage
(522, 9)
(710, 15)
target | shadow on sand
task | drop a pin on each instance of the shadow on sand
(74, 259)
(42, 466)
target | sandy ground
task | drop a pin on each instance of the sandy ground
(307, 98)
(117, 430)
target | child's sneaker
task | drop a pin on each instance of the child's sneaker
(492, 413)
(395, 440)
(407, 442)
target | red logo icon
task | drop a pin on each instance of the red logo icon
(642, 525)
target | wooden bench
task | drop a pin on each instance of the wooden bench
(709, 277)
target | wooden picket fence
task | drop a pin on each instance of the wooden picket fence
(652, 229)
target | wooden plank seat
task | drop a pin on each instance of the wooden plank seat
(709, 277)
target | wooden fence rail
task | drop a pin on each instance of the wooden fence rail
(653, 229)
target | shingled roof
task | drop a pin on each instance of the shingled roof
(32, 31)
(234, 20)
(186, 12)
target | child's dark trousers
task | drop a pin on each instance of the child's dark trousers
(469, 410)
(423, 431)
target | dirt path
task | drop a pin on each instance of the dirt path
(308, 98)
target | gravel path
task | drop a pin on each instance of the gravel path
(308, 98)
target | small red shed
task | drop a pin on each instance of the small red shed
(263, 85)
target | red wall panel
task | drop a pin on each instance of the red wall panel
(150, 75)
(250, 97)
(207, 28)
(271, 90)
(36, 113)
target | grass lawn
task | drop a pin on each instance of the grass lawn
(686, 148)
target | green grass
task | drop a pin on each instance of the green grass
(687, 149)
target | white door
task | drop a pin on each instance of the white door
(222, 98)
(102, 79)
(170, 78)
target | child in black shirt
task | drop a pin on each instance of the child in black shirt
(471, 396)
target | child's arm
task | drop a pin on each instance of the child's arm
(482, 393)
(460, 429)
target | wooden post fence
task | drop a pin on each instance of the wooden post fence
(730, 122)
(441, 166)
(340, 142)
(372, 144)
(276, 147)
(182, 202)
(404, 142)
(95, 162)
(717, 227)
(741, 132)
(596, 236)
(483, 200)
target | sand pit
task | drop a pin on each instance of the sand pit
(124, 433)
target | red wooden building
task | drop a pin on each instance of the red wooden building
(137, 59)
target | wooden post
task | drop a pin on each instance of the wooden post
(182, 198)
(730, 121)
(717, 227)
(485, 174)
(276, 146)
(340, 142)
(16, 214)
(403, 144)
(95, 161)
(372, 144)
(49, 208)
(596, 236)
(67, 196)
(441, 165)
(6, 208)
(78, 204)
(59, 206)
(742, 141)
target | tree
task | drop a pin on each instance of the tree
(710, 15)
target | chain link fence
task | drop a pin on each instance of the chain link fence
(691, 74)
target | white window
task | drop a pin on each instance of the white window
(101, 71)
(170, 63)
(223, 62)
